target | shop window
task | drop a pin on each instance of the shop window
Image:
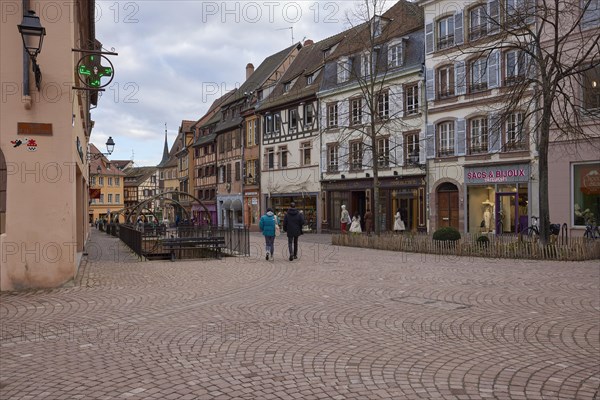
(478, 135)
(586, 193)
(445, 132)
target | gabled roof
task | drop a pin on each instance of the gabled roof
(140, 174)
(122, 164)
(310, 60)
(212, 115)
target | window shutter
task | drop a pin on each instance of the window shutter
(344, 112)
(460, 78)
(429, 38)
(458, 28)
(324, 158)
(367, 159)
(493, 69)
(343, 156)
(530, 10)
(323, 115)
(430, 84)
(461, 137)
(493, 18)
(530, 63)
(494, 131)
(430, 141)
(398, 143)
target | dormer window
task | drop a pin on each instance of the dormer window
(395, 54)
(259, 95)
(343, 69)
(287, 86)
(309, 79)
(376, 26)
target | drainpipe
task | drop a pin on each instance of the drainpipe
(427, 197)
(26, 97)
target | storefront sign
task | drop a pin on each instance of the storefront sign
(33, 128)
(497, 174)
(384, 183)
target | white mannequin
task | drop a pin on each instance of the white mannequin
(487, 218)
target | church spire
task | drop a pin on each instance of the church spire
(165, 156)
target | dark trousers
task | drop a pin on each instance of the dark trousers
(293, 240)
(270, 244)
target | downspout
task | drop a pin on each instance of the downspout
(25, 5)
(427, 197)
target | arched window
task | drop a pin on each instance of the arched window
(3, 179)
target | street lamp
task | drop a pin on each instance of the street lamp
(32, 34)
(110, 147)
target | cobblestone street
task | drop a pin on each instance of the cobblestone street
(338, 323)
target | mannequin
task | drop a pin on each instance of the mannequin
(487, 218)
(344, 218)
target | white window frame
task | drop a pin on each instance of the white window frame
(332, 115)
(446, 138)
(478, 135)
(412, 99)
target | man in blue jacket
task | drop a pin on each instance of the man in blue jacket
(292, 224)
(267, 227)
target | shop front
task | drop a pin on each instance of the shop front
(306, 203)
(251, 210)
(396, 194)
(206, 215)
(497, 198)
(229, 211)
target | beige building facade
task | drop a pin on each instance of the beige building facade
(43, 169)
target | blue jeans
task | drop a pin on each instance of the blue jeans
(270, 244)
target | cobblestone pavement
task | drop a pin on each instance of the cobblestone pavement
(338, 323)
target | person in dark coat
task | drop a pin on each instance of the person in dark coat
(292, 225)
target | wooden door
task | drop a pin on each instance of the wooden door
(448, 206)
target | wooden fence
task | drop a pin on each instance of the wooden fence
(502, 246)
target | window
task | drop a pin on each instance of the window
(383, 105)
(102, 198)
(445, 32)
(383, 152)
(228, 173)
(515, 135)
(277, 123)
(343, 70)
(591, 89)
(93, 181)
(293, 118)
(395, 55)
(259, 95)
(270, 158)
(412, 99)
(117, 181)
(238, 171)
(222, 174)
(309, 79)
(332, 157)
(514, 66)
(356, 111)
(269, 125)
(283, 157)
(251, 171)
(478, 75)
(446, 81)
(286, 86)
(411, 148)
(356, 155)
(478, 135)
(100, 181)
(110, 198)
(332, 115)
(305, 150)
(110, 181)
(477, 22)
(446, 139)
(309, 114)
(365, 65)
(591, 16)
(250, 133)
(586, 193)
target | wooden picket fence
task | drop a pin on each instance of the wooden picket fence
(502, 246)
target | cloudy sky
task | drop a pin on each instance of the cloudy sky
(176, 57)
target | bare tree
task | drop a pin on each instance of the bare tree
(548, 47)
(373, 110)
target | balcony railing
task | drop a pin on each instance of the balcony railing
(478, 87)
(445, 42)
(478, 149)
(477, 31)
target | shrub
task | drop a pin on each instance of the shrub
(483, 241)
(446, 233)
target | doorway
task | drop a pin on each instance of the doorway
(447, 202)
(506, 213)
(358, 207)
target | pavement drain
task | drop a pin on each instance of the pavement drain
(444, 305)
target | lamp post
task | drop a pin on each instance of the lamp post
(32, 33)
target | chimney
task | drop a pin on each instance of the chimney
(308, 42)
(249, 70)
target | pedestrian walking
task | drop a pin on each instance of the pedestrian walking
(368, 221)
(292, 225)
(345, 218)
(267, 226)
